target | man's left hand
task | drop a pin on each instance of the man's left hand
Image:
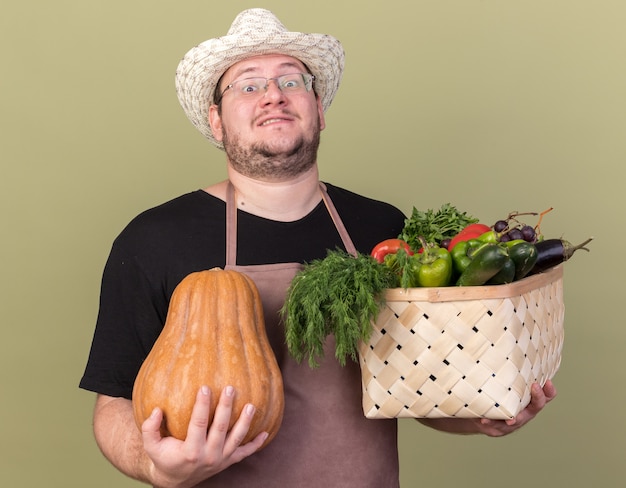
(539, 398)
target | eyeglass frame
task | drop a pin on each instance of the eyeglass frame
(308, 84)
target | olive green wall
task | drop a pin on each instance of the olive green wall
(491, 105)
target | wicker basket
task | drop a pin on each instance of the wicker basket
(463, 351)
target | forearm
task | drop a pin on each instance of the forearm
(119, 439)
(209, 447)
(453, 425)
(496, 428)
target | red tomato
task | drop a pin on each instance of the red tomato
(389, 246)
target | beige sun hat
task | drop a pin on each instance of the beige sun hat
(253, 32)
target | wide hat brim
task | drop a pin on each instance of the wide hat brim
(254, 32)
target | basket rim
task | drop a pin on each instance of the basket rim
(457, 293)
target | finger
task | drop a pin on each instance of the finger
(495, 428)
(199, 420)
(150, 429)
(537, 398)
(537, 402)
(549, 390)
(240, 429)
(245, 450)
(221, 419)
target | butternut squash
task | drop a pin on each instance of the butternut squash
(214, 335)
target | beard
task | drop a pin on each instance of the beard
(273, 161)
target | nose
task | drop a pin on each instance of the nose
(272, 92)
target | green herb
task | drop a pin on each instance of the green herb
(338, 295)
(434, 226)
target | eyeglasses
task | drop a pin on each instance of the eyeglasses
(251, 88)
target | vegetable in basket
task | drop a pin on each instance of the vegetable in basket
(473, 231)
(551, 252)
(524, 256)
(492, 263)
(484, 265)
(505, 275)
(389, 247)
(336, 295)
(342, 294)
(434, 226)
(434, 266)
(463, 252)
(431, 267)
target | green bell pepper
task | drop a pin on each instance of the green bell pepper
(430, 268)
(463, 253)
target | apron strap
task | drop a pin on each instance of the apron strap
(231, 224)
(343, 233)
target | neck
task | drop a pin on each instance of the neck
(285, 200)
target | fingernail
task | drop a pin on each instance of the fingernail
(230, 391)
(205, 390)
(250, 409)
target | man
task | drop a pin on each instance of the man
(259, 93)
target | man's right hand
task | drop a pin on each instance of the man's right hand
(167, 461)
(207, 450)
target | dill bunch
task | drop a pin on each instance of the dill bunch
(337, 295)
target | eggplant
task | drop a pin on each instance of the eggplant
(551, 252)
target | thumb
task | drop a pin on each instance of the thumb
(150, 429)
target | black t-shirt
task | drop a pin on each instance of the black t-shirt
(164, 244)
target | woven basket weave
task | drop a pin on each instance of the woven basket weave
(463, 351)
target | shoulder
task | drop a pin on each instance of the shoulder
(165, 243)
(171, 227)
(171, 216)
(184, 206)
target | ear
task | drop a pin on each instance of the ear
(215, 121)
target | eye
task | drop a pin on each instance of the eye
(250, 85)
(248, 88)
(291, 82)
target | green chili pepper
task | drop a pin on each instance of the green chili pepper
(489, 236)
(512, 243)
